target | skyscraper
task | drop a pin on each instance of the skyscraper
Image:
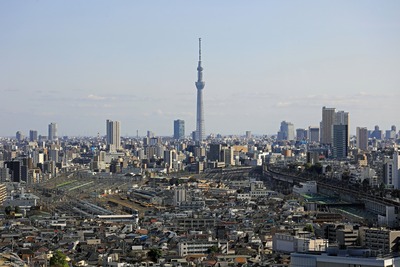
(52, 131)
(33, 135)
(313, 134)
(328, 119)
(301, 134)
(340, 141)
(286, 131)
(362, 138)
(19, 135)
(113, 135)
(179, 129)
(200, 132)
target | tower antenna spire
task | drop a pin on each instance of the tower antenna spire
(199, 49)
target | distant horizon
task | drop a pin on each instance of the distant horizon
(26, 134)
(80, 63)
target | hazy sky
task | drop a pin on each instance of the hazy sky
(79, 63)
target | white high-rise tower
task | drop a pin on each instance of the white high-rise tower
(200, 132)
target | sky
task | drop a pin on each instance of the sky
(79, 63)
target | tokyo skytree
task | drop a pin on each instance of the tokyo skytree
(200, 132)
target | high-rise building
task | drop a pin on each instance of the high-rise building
(340, 141)
(113, 135)
(200, 131)
(328, 119)
(340, 135)
(391, 134)
(20, 136)
(248, 135)
(362, 138)
(179, 129)
(376, 133)
(301, 134)
(286, 131)
(53, 131)
(14, 167)
(214, 152)
(33, 135)
(150, 134)
(313, 134)
(391, 170)
(343, 118)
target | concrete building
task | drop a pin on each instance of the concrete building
(19, 136)
(313, 134)
(376, 133)
(362, 138)
(248, 135)
(309, 187)
(341, 234)
(53, 131)
(214, 152)
(14, 168)
(286, 131)
(381, 240)
(391, 170)
(286, 243)
(23, 200)
(113, 135)
(391, 134)
(227, 156)
(180, 195)
(301, 134)
(340, 141)
(328, 119)
(199, 246)
(33, 136)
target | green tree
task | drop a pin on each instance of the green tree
(8, 210)
(309, 228)
(58, 259)
(17, 209)
(154, 254)
(212, 250)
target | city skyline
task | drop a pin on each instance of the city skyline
(78, 65)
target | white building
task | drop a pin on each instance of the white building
(200, 246)
(286, 243)
(309, 187)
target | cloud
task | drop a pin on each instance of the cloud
(96, 97)
(283, 104)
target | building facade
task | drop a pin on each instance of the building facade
(328, 119)
(362, 138)
(113, 135)
(53, 135)
(286, 131)
(179, 129)
(340, 141)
